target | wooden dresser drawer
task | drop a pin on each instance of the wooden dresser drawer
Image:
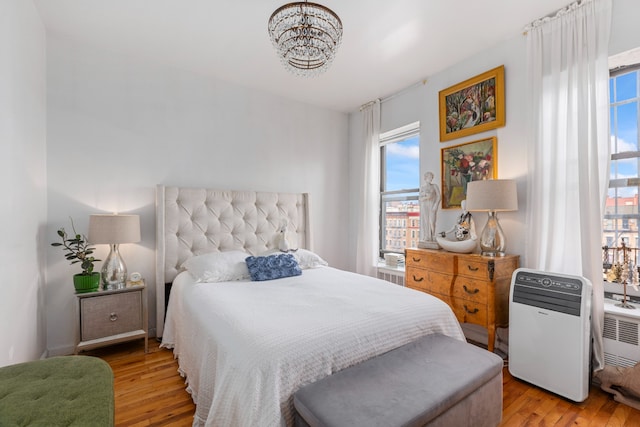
(110, 315)
(474, 267)
(469, 311)
(471, 289)
(428, 281)
(441, 262)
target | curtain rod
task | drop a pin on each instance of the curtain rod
(553, 15)
(390, 97)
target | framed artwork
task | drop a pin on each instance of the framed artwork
(473, 106)
(463, 163)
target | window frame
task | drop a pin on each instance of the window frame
(616, 225)
(402, 133)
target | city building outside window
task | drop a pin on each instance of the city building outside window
(621, 216)
(399, 188)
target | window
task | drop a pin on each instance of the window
(621, 215)
(399, 187)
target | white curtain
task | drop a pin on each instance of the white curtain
(569, 147)
(368, 199)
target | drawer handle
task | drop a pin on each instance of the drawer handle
(113, 317)
(472, 269)
(416, 279)
(415, 259)
(475, 291)
(475, 310)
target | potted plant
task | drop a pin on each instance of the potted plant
(77, 250)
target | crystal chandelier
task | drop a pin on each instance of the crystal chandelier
(306, 37)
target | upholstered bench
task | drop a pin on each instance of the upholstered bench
(435, 381)
(60, 391)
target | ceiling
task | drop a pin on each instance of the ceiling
(387, 45)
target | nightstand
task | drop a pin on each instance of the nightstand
(111, 317)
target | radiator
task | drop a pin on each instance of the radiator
(621, 335)
(550, 331)
(391, 275)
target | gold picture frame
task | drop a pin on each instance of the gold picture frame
(463, 163)
(472, 106)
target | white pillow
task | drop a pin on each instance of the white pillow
(218, 266)
(306, 259)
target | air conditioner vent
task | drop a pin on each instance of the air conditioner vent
(628, 332)
(396, 278)
(615, 360)
(609, 329)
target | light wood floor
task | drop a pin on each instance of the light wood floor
(150, 392)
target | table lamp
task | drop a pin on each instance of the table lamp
(113, 229)
(492, 196)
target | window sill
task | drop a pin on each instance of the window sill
(391, 268)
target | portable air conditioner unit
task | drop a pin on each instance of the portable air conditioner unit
(550, 331)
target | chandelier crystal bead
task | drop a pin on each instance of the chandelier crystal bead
(305, 36)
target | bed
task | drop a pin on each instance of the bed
(246, 346)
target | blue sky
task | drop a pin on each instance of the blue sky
(403, 164)
(621, 88)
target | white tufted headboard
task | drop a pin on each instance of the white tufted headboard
(194, 221)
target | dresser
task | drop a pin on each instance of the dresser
(112, 316)
(475, 287)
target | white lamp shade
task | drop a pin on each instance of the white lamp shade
(492, 195)
(113, 229)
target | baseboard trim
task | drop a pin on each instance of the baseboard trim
(61, 351)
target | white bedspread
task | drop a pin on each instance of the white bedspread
(246, 347)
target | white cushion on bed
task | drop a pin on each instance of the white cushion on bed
(306, 259)
(218, 266)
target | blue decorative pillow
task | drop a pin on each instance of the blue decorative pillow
(272, 267)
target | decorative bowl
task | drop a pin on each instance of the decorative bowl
(458, 246)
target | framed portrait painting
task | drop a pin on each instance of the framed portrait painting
(473, 106)
(463, 163)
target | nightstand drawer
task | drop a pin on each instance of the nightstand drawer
(109, 315)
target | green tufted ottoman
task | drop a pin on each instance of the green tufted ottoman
(60, 391)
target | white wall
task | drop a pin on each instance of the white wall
(625, 34)
(22, 182)
(421, 103)
(117, 126)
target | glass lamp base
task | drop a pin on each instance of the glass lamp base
(114, 270)
(492, 254)
(492, 241)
